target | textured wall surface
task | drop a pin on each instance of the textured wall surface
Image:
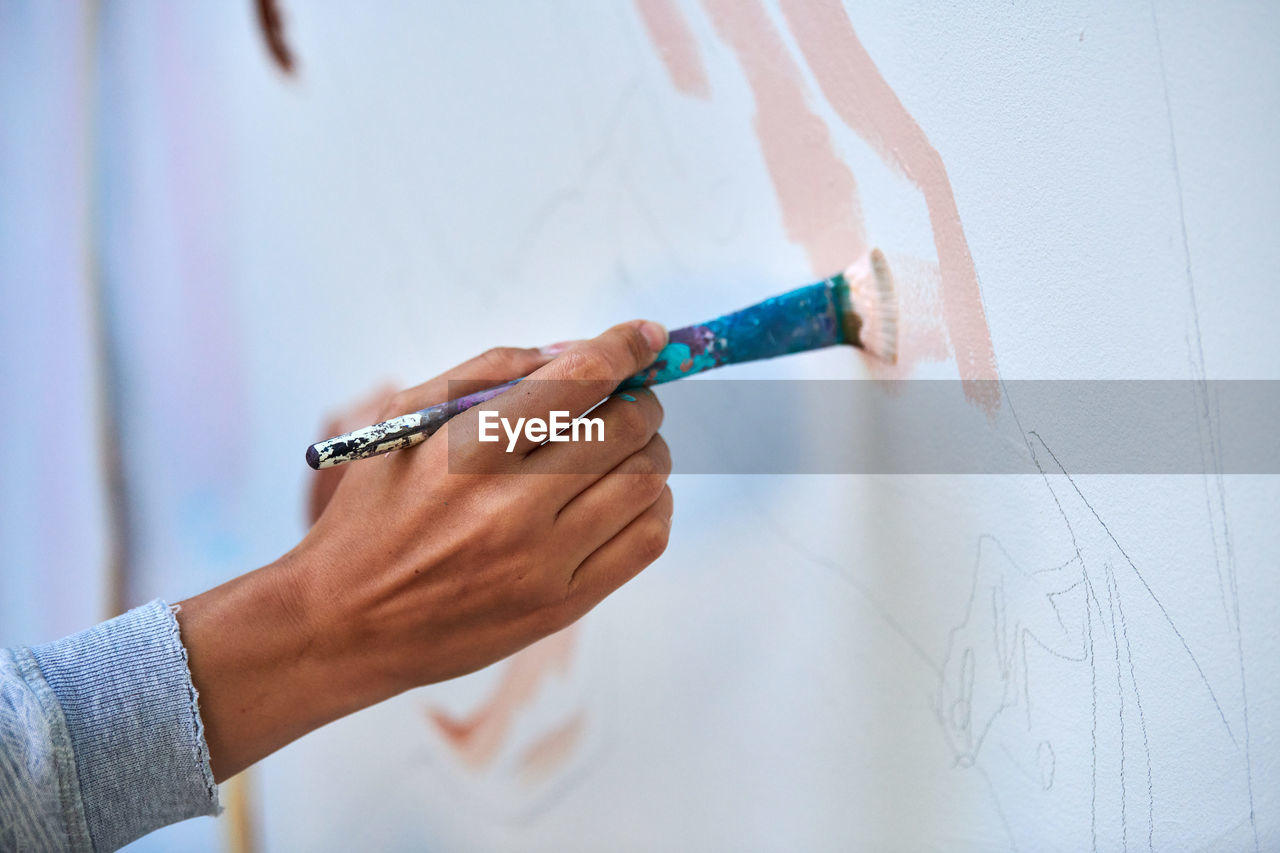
(1061, 661)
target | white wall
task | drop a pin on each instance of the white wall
(817, 662)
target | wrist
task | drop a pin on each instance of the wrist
(337, 649)
(267, 662)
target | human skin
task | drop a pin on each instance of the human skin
(416, 572)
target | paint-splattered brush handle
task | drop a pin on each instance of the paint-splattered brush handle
(808, 318)
(395, 434)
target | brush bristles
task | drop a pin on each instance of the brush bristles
(874, 300)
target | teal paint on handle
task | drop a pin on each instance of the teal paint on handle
(808, 318)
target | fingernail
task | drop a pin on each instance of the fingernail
(557, 348)
(654, 334)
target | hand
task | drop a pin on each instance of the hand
(414, 574)
(469, 376)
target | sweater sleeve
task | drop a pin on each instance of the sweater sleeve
(100, 737)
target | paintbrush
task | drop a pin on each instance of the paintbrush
(857, 306)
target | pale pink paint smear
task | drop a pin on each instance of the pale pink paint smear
(478, 738)
(551, 750)
(675, 45)
(865, 102)
(817, 193)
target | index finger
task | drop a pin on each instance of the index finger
(493, 367)
(574, 381)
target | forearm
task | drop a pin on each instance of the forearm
(270, 664)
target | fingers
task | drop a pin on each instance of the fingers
(626, 424)
(607, 506)
(498, 365)
(573, 382)
(622, 557)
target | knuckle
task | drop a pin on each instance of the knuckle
(520, 520)
(495, 357)
(653, 486)
(501, 554)
(633, 426)
(509, 525)
(653, 541)
(645, 466)
(397, 404)
(548, 593)
(503, 541)
(506, 360)
(661, 453)
(589, 362)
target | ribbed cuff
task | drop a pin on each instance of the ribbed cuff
(134, 722)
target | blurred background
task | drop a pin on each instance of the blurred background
(221, 223)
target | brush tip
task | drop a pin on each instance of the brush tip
(873, 299)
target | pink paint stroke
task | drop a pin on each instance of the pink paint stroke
(675, 45)
(817, 193)
(551, 750)
(479, 737)
(864, 101)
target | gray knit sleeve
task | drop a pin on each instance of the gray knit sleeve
(100, 737)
